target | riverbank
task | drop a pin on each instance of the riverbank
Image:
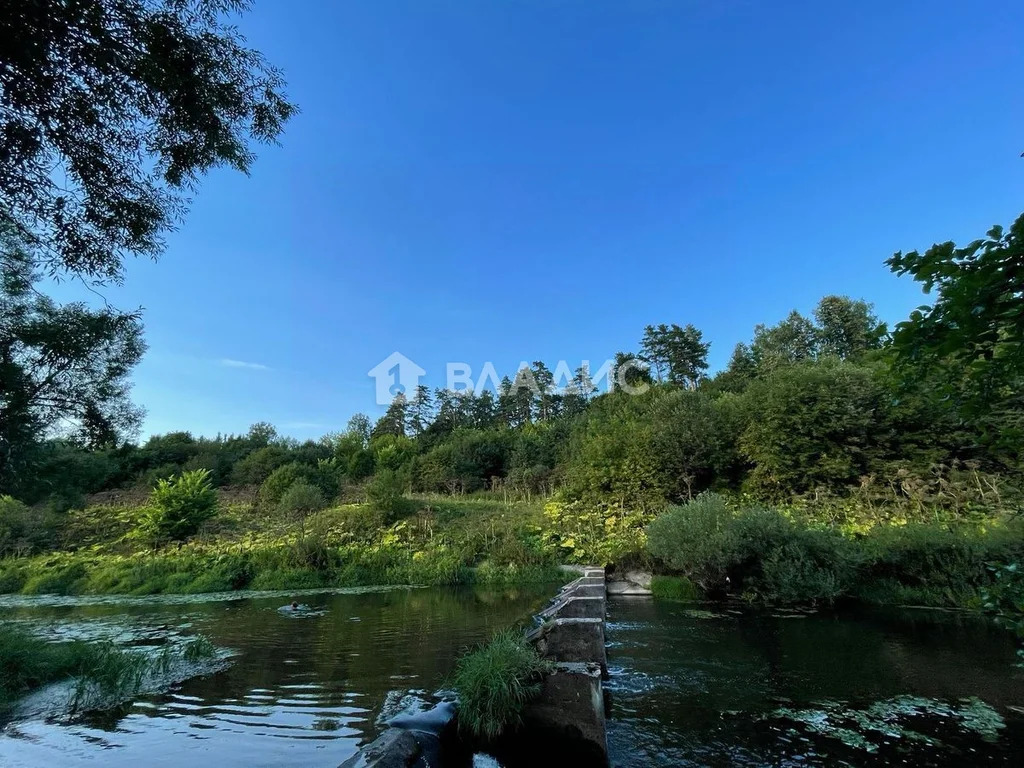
(441, 542)
(712, 548)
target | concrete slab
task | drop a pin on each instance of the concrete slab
(581, 608)
(572, 703)
(575, 640)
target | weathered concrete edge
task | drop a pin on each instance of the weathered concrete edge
(572, 635)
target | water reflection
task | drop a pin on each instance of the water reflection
(301, 691)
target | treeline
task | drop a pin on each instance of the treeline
(927, 416)
(674, 432)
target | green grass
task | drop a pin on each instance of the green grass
(99, 669)
(673, 588)
(495, 682)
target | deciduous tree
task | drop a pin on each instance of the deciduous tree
(64, 369)
(111, 110)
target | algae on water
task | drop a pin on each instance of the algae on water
(891, 720)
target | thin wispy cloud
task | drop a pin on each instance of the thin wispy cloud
(229, 363)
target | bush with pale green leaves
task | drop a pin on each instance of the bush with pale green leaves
(179, 505)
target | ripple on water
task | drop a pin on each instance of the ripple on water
(297, 693)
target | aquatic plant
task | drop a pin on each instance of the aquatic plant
(892, 719)
(99, 671)
(494, 683)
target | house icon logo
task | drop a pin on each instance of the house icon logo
(394, 375)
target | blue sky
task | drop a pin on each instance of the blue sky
(506, 181)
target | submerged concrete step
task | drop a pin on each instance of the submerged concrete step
(571, 706)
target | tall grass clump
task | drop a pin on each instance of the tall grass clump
(101, 671)
(495, 682)
(673, 588)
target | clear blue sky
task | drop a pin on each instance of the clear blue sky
(506, 181)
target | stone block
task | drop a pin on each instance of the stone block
(571, 706)
(581, 608)
(575, 640)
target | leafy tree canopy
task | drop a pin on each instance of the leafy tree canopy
(110, 110)
(63, 369)
(974, 329)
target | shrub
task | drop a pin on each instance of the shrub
(815, 568)
(324, 476)
(386, 493)
(24, 530)
(769, 557)
(300, 501)
(179, 506)
(814, 425)
(494, 683)
(151, 477)
(281, 479)
(697, 540)
(258, 465)
(935, 565)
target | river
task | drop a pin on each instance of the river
(689, 685)
(697, 686)
(303, 689)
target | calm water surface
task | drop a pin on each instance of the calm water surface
(303, 689)
(691, 686)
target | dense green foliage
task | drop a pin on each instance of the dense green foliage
(63, 369)
(495, 682)
(178, 506)
(444, 541)
(974, 330)
(1004, 598)
(111, 110)
(769, 556)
